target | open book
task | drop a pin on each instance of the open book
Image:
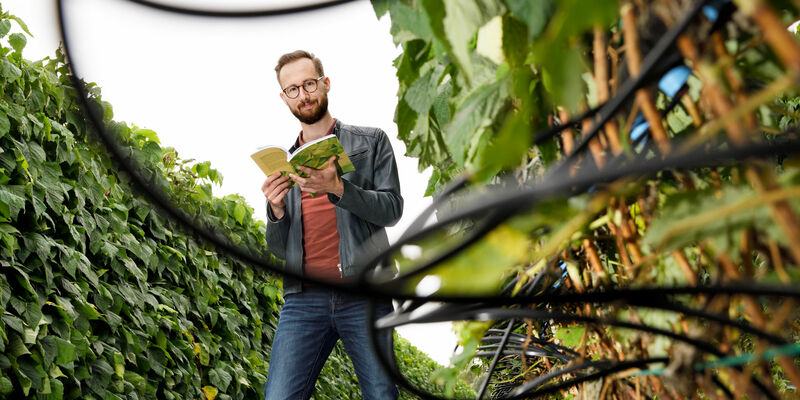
(314, 154)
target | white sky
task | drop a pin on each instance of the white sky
(208, 88)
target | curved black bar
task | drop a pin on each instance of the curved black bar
(663, 304)
(606, 368)
(514, 201)
(201, 12)
(496, 358)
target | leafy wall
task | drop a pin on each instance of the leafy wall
(102, 297)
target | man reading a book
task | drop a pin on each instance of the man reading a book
(320, 225)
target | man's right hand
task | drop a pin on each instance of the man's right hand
(275, 188)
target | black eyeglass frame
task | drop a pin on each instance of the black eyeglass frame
(314, 82)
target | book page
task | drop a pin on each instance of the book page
(272, 160)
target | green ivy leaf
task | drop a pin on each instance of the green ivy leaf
(534, 13)
(210, 392)
(476, 113)
(719, 216)
(461, 22)
(239, 211)
(33, 372)
(21, 24)
(201, 169)
(422, 93)
(409, 23)
(570, 336)
(6, 387)
(66, 352)
(12, 200)
(220, 378)
(5, 27)
(381, 7)
(119, 364)
(147, 134)
(9, 71)
(5, 124)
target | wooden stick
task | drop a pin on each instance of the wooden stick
(643, 96)
(601, 84)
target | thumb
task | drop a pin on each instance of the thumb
(332, 161)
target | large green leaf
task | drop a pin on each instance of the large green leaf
(718, 216)
(478, 112)
(12, 200)
(409, 23)
(462, 20)
(534, 13)
(423, 92)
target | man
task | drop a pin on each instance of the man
(322, 236)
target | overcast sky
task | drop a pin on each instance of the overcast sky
(207, 86)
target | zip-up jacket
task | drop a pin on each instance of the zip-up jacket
(370, 202)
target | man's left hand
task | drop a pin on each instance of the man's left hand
(325, 180)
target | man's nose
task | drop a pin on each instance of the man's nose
(303, 94)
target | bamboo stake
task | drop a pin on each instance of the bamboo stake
(567, 135)
(777, 261)
(594, 260)
(774, 32)
(732, 76)
(620, 242)
(643, 96)
(595, 147)
(691, 108)
(601, 85)
(683, 263)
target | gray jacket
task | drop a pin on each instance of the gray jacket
(370, 202)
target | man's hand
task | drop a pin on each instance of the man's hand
(325, 180)
(275, 188)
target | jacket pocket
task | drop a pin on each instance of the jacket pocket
(358, 154)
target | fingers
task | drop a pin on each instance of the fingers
(299, 180)
(274, 184)
(276, 177)
(276, 198)
(317, 180)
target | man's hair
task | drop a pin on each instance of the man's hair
(296, 55)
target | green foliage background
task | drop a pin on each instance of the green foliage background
(102, 297)
(478, 79)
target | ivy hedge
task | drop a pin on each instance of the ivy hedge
(102, 297)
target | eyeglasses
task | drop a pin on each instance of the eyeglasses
(310, 86)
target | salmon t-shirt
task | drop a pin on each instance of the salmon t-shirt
(320, 236)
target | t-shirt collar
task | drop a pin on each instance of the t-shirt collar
(300, 140)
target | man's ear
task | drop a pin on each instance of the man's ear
(327, 82)
(283, 97)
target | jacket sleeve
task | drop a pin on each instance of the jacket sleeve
(277, 232)
(383, 205)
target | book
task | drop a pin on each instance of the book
(314, 154)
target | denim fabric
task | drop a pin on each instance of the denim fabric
(310, 324)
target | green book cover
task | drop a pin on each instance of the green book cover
(314, 154)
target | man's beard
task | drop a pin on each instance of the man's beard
(316, 115)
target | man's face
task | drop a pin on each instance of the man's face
(307, 107)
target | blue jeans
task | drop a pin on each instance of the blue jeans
(310, 324)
